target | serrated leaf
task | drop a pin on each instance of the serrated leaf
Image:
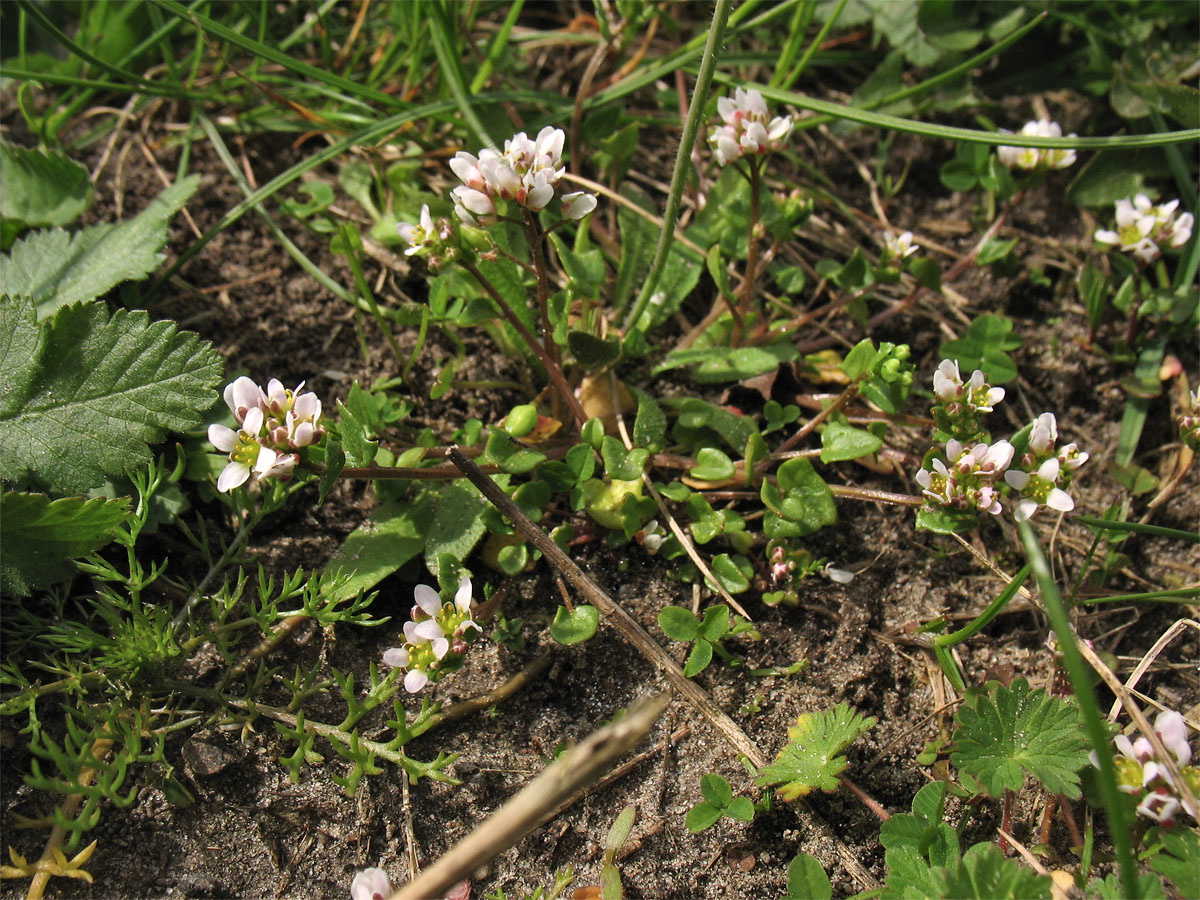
(41, 536)
(985, 874)
(810, 759)
(1150, 887)
(56, 268)
(1180, 861)
(1013, 731)
(39, 188)
(806, 879)
(97, 390)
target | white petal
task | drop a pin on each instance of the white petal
(415, 680)
(427, 598)
(1016, 479)
(1104, 236)
(441, 647)
(224, 439)
(462, 597)
(427, 631)
(1025, 509)
(1060, 500)
(232, 476)
(396, 657)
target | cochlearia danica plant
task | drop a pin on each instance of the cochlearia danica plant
(403, 406)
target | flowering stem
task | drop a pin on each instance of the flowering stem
(553, 370)
(536, 241)
(746, 291)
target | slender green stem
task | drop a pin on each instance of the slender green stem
(683, 156)
(1139, 528)
(553, 371)
(746, 290)
(537, 250)
(1183, 595)
(993, 609)
(800, 66)
(1092, 719)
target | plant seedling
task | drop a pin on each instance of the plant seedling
(681, 624)
(718, 801)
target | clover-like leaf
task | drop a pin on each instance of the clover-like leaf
(806, 879)
(82, 394)
(40, 536)
(840, 441)
(985, 345)
(574, 626)
(1013, 731)
(678, 624)
(712, 465)
(810, 759)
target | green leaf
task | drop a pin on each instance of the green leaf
(802, 498)
(359, 449)
(618, 832)
(55, 268)
(1150, 887)
(83, 394)
(451, 520)
(741, 808)
(695, 415)
(650, 425)
(810, 759)
(985, 874)
(41, 536)
(38, 189)
(712, 465)
(701, 816)
(1180, 861)
(592, 352)
(942, 520)
(720, 364)
(585, 270)
(840, 441)
(621, 464)
(985, 345)
(574, 626)
(715, 624)
(698, 659)
(706, 523)
(509, 455)
(730, 574)
(378, 547)
(678, 624)
(806, 880)
(715, 789)
(1012, 731)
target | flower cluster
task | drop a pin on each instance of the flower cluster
(432, 240)
(1140, 770)
(370, 884)
(273, 425)
(435, 638)
(748, 128)
(1032, 157)
(972, 474)
(1045, 471)
(971, 479)
(527, 172)
(1144, 228)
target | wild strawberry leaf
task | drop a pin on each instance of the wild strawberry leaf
(56, 267)
(82, 394)
(1180, 861)
(985, 874)
(1014, 731)
(810, 759)
(38, 188)
(40, 536)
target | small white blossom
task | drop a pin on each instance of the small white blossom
(1039, 489)
(748, 127)
(274, 423)
(1139, 769)
(1032, 157)
(578, 204)
(1144, 228)
(436, 636)
(370, 884)
(898, 247)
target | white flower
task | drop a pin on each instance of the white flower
(1172, 729)
(748, 127)
(900, 246)
(947, 382)
(578, 204)
(1044, 434)
(370, 884)
(1033, 158)
(241, 395)
(1161, 807)
(1039, 490)
(1143, 228)
(416, 236)
(839, 576)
